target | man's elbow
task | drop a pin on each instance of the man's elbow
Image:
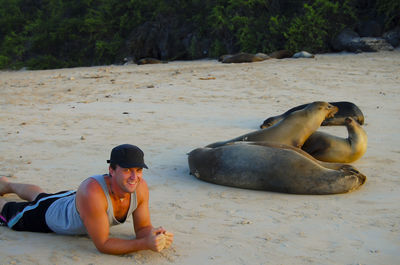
(143, 231)
(105, 249)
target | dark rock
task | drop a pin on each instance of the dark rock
(393, 36)
(344, 40)
(370, 28)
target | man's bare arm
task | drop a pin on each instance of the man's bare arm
(92, 206)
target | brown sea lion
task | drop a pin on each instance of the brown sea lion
(149, 61)
(264, 167)
(330, 165)
(243, 58)
(329, 148)
(346, 109)
(281, 54)
(293, 130)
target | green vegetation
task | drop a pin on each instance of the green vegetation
(312, 29)
(43, 34)
(391, 10)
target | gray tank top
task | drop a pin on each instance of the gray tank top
(63, 218)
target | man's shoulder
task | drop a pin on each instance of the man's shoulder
(142, 187)
(90, 187)
(91, 199)
(142, 191)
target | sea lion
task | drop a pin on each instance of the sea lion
(330, 165)
(243, 58)
(281, 54)
(263, 167)
(346, 109)
(329, 148)
(149, 61)
(293, 130)
(303, 54)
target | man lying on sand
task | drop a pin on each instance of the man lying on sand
(101, 201)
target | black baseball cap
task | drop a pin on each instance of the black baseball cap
(127, 156)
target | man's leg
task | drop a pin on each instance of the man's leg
(26, 192)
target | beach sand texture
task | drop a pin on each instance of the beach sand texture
(58, 127)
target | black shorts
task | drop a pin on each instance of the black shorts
(31, 216)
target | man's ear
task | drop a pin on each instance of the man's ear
(110, 171)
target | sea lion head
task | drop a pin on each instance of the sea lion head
(269, 122)
(329, 109)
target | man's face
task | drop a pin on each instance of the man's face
(127, 178)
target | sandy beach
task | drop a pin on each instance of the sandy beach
(57, 128)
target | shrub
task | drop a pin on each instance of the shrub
(320, 21)
(4, 62)
(391, 10)
(45, 62)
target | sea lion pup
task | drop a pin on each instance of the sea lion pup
(262, 167)
(346, 109)
(329, 148)
(243, 58)
(293, 130)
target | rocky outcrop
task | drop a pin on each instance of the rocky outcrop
(369, 44)
(349, 40)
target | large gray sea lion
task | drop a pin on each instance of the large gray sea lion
(330, 148)
(346, 109)
(293, 130)
(266, 167)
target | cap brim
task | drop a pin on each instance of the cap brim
(132, 165)
(128, 165)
